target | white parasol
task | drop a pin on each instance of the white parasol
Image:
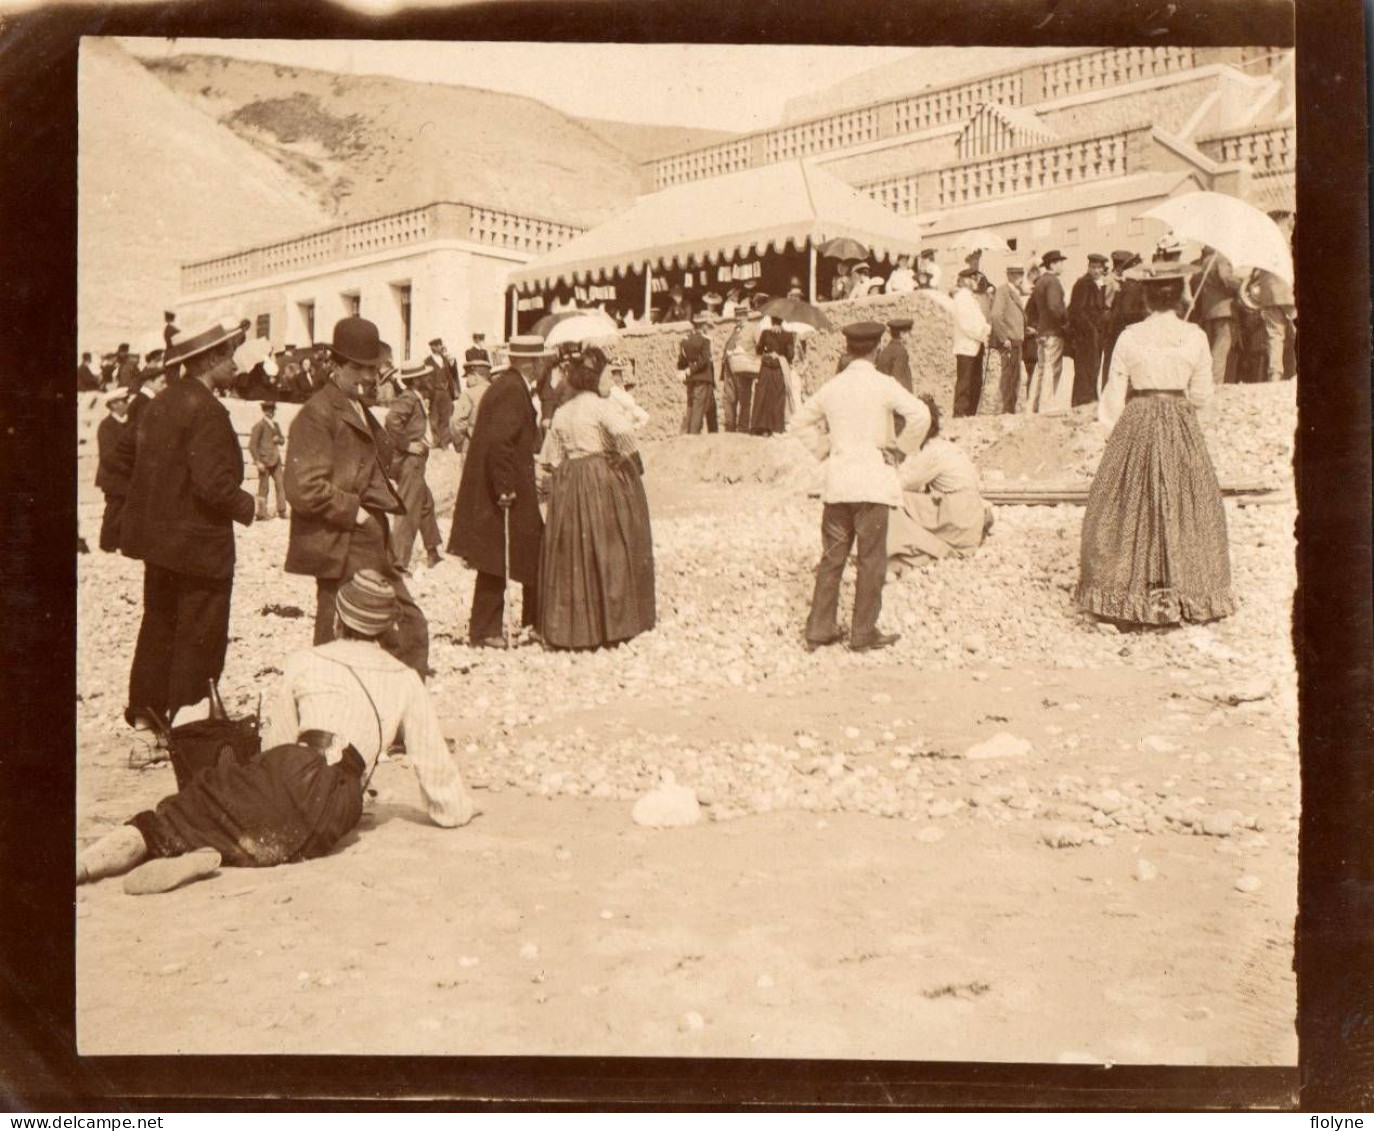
(1240, 231)
(590, 328)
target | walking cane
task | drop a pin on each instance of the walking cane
(505, 591)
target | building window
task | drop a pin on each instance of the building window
(1041, 227)
(307, 312)
(352, 304)
(1106, 216)
(1070, 237)
(264, 326)
(1011, 244)
(401, 293)
(1137, 226)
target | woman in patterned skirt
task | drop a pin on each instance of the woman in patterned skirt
(1154, 549)
(596, 566)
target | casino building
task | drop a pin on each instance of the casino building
(1065, 152)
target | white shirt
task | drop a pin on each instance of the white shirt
(317, 692)
(901, 281)
(1163, 352)
(971, 328)
(856, 408)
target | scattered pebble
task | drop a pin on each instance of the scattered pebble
(1145, 871)
(1248, 884)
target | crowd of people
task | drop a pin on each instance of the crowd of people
(551, 497)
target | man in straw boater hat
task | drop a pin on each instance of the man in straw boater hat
(413, 433)
(185, 494)
(476, 379)
(340, 494)
(336, 707)
(861, 485)
(497, 528)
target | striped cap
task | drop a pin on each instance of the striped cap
(367, 603)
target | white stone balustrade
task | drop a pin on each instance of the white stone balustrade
(1266, 149)
(1031, 170)
(1115, 66)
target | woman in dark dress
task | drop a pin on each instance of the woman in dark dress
(596, 567)
(770, 393)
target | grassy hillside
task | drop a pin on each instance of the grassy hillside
(368, 144)
(645, 143)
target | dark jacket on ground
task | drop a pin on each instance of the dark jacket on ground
(335, 465)
(893, 360)
(186, 491)
(1047, 306)
(694, 355)
(111, 476)
(500, 459)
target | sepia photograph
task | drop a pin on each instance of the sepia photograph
(687, 550)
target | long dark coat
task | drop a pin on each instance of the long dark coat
(335, 464)
(186, 491)
(111, 476)
(500, 459)
(896, 363)
(1087, 329)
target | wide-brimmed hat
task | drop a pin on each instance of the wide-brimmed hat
(1015, 269)
(356, 340)
(154, 355)
(117, 394)
(188, 345)
(710, 298)
(1123, 259)
(367, 603)
(1051, 257)
(469, 366)
(527, 346)
(413, 373)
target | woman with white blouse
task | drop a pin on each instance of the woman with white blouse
(1154, 547)
(596, 568)
(942, 513)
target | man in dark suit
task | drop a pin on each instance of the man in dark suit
(126, 367)
(408, 424)
(478, 350)
(893, 360)
(1087, 328)
(498, 483)
(1215, 283)
(87, 381)
(1051, 326)
(698, 371)
(337, 483)
(185, 494)
(153, 383)
(1126, 309)
(111, 476)
(446, 389)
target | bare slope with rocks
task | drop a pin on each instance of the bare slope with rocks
(159, 183)
(371, 144)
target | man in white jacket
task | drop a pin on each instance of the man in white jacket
(848, 423)
(971, 329)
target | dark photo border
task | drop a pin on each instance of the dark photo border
(1333, 636)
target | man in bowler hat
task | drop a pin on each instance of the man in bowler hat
(861, 485)
(185, 495)
(337, 482)
(498, 483)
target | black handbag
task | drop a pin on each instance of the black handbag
(208, 743)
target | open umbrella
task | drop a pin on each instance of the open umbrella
(980, 239)
(795, 310)
(843, 248)
(585, 326)
(1240, 231)
(546, 324)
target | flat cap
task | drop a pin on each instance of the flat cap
(1095, 257)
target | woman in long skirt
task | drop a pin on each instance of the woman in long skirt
(770, 394)
(335, 708)
(1154, 549)
(942, 513)
(596, 566)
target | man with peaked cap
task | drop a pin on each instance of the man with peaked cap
(893, 360)
(1051, 318)
(185, 495)
(971, 333)
(1126, 308)
(498, 483)
(265, 445)
(1087, 329)
(408, 423)
(1009, 333)
(111, 476)
(698, 373)
(861, 486)
(446, 390)
(340, 493)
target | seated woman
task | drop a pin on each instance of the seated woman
(596, 565)
(334, 710)
(942, 512)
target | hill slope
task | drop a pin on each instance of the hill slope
(645, 142)
(370, 144)
(159, 184)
